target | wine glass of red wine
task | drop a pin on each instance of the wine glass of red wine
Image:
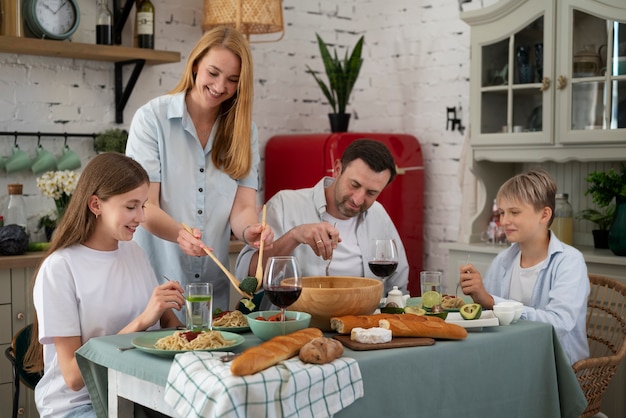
(383, 261)
(282, 282)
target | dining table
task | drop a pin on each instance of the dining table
(519, 370)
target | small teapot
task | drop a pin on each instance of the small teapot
(587, 61)
(395, 296)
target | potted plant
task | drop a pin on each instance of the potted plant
(604, 187)
(601, 218)
(111, 140)
(342, 74)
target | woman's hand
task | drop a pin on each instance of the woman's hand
(472, 285)
(253, 234)
(191, 244)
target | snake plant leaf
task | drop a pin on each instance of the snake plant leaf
(342, 74)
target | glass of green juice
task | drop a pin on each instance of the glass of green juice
(199, 305)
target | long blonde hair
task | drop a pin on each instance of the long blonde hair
(232, 150)
(123, 174)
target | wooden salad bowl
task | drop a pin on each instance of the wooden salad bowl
(327, 296)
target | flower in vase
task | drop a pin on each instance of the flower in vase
(59, 185)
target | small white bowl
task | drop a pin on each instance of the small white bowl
(517, 306)
(504, 313)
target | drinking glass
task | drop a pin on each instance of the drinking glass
(430, 281)
(282, 282)
(199, 304)
(383, 261)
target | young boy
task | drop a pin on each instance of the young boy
(546, 275)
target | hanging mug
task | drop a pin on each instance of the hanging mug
(18, 161)
(69, 160)
(44, 161)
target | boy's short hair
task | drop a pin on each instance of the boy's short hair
(535, 187)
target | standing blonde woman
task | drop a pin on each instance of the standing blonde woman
(201, 150)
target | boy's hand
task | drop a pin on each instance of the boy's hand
(472, 285)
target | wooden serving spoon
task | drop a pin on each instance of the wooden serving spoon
(233, 279)
(259, 264)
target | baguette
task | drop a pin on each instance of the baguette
(401, 325)
(432, 327)
(344, 324)
(271, 352)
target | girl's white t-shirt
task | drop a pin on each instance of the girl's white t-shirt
(84, 292)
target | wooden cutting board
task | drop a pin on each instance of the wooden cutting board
(394, 343)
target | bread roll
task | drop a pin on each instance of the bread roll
(321, 350)
(272, 352)
(401, 325)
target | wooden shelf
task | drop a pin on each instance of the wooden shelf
(93, 52)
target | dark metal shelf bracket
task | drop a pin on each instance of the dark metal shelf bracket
(123, 93)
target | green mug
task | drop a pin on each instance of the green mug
(18, 161)
(44, 161)
(69, 160)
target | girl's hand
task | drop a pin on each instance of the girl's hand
(166, 296)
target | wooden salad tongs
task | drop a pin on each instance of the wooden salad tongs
(233, 279)
(259, 264)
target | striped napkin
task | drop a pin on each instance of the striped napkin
(199, 384)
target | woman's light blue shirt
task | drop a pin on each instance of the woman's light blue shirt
(163, 140)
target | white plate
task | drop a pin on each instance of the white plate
(487, 319)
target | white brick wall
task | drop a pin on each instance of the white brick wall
(416, 64)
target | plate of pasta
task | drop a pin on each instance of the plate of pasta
(232, 321)
(170, 343)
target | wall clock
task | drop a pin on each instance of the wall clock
(52, 19)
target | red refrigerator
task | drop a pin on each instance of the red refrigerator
(298, 161)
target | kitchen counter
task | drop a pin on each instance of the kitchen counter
(32, 259)
(591, 254)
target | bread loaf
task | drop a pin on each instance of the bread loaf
(344, 324)
(272, 352)
(321, 350)
(401, 325)
(432, 327)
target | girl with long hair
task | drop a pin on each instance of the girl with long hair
(94, 281)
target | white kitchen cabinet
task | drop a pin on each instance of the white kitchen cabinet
(548, 81)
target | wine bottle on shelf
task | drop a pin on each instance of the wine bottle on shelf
(145, 24)
(104, 24)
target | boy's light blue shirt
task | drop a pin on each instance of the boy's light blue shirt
(559, 296)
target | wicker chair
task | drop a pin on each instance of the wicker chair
(606, 333)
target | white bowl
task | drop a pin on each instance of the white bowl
(517, 306)
(504, 313)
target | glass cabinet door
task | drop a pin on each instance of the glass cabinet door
(598, 79)
(512, 91)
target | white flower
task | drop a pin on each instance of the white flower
(55, 184)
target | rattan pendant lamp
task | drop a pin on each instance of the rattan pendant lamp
(250, 17)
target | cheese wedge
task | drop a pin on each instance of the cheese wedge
(374, 335)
